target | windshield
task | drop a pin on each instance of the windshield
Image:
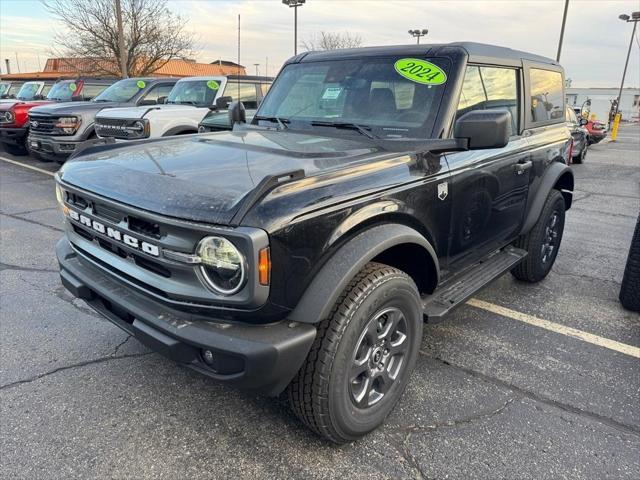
(28, 91)
(391, 97)
(62, 91)
(122, 91)
(195, 92)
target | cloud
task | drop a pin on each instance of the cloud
(594, 50)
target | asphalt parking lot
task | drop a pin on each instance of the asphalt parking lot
(493, 395)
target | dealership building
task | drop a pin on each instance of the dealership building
(601, 99)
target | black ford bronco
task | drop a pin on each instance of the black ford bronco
(375, 189)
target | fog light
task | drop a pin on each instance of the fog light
(207, 356)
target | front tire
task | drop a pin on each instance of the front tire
(582, 155)
(362, 357)
(543, 241)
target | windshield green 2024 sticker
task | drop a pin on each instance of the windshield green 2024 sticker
(420, 71)
(73, 87)
(213, 85)
(141, 84)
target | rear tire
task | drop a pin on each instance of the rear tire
(362, 357)
(630, 289)
(543, 241)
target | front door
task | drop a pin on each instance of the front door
(488, 187)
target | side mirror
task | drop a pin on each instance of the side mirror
(161, 100)
(237, 113)
(484, 128)
(223, 102)
(583, 121)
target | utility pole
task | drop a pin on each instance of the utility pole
(564, 21)
(256, 65)
(123, 53)
(294, 4)
(634, 18)
(238, 56)
(417, 33)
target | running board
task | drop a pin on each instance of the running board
(458, 289)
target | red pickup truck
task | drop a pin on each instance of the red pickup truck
(14, 118)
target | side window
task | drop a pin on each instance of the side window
(489, 88)
(571, 116)
(45, 90)
(90, 91)
(546, 102)
(248, 94)
(158, 91)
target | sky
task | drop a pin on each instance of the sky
(593, 54)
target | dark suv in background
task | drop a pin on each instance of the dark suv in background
(375, 188)
(57, 130)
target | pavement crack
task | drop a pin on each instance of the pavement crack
(585, 277)
(70, 367)
(7, 266)
(121, 344)
(34, 222)
(27, 212)
(402, 447)
(596, 417)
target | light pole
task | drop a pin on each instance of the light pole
(294, 4)
(418, 33)
(256, 65)
(634, 18)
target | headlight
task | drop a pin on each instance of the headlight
(68, 124)
(59, 194)
(222, 265)
(7, 117)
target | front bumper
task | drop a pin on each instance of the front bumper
(262, 358)
(13, 136)
(53, 148)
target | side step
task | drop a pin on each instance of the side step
(461, 286)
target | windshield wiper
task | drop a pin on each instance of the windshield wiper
(282, 122)
(362, 129)
(186, 102)
(102, 100)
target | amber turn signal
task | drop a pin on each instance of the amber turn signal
(264, 266)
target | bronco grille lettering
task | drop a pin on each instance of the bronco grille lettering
(133, 242)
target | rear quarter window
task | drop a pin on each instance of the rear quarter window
(546, 102)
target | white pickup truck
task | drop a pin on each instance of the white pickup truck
(185, 107)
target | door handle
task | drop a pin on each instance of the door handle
(520, 168)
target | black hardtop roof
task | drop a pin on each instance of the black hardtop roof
(477, 52)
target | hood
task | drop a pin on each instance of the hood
(32, 104)
(205, 178)
(70, 108)
(139, 112)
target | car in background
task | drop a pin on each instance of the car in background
(579, 134)
(30, 91)
(597, 129)
(9, 88)
(186, 106)
(57, 130)
(14, 118)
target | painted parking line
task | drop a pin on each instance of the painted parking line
(30, 167)
(557, 328)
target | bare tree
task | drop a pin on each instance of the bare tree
(153, 35)
(332, 41)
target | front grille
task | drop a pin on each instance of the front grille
(42, 123)
(117, 128)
